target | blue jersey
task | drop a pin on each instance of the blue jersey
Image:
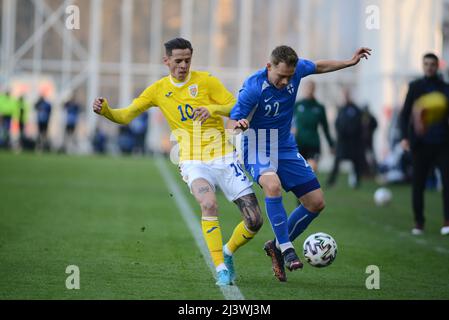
(267, 107)
(72, 109)
(43, 111)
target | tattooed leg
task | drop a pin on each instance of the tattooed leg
(205, 196)
(249, 207)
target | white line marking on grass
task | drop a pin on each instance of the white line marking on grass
(442, 250)
(402, 234)
(187, 213)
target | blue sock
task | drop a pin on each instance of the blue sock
(298, 221)
(278, 218)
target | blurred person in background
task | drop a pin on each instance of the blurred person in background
(22, 115)
(125, 140)
(369, 126)
(349, 139)
(43, 109)
(72, 109)
(425, 133)
(8, 108)
(309, 116)
(139, 129)
(2, 104)
(99, 141)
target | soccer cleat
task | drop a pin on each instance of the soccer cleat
(291, 260)
(229, 262)
(223, 278)
(418, 231)
(276, 260)
(445, 231)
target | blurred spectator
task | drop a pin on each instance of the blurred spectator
(369, 126)
(99, 141)
(8, 108)
(22, 119)
(349, 139)
(43, 109)
(309, 115)
(125, 140)
(72, 109)
(139, 128)
(425, 132)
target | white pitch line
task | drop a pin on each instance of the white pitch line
(187, 213)
(403, 234)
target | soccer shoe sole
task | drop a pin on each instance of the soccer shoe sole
(294, 265)
(277, 266)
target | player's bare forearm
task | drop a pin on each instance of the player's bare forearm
(324, 66)
(231, 124)
(237, 126)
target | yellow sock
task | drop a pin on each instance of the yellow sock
(212, 235)
(240, 236)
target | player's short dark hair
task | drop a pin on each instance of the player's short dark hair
(284, 54)
(431, 56)
(177, 43)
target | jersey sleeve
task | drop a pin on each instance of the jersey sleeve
(247, 100)
(223, 99)
(305, 68)
(125, 115)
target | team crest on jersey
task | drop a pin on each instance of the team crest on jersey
(290, 88)
(193, 90)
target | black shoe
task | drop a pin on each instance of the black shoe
(277, 261)
(291, 260)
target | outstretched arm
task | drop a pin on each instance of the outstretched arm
(323, 66)
(126, 115)
(120, 116)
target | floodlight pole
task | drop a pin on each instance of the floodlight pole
(126, 53)
(8, 39)
(244, 50)
(94, 58)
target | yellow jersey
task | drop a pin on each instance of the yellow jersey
(177, 101)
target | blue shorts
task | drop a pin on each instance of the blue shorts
(295, 174)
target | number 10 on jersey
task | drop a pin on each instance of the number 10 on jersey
(186, 112)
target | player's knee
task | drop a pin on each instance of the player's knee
(273, 189)
(254, 223)
(317, 205)
(209, 206)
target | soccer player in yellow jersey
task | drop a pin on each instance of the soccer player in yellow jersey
(188, 98)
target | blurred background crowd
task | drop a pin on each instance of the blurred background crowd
(57, 56)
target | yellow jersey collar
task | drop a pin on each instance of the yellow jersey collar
(180, 84)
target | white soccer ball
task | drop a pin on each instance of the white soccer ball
(320, 249)
(382, 197)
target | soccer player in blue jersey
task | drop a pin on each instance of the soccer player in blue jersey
(265, 105)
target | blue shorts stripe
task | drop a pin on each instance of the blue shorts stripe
(305, 188)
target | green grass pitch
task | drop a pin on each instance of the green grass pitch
(116, 220)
